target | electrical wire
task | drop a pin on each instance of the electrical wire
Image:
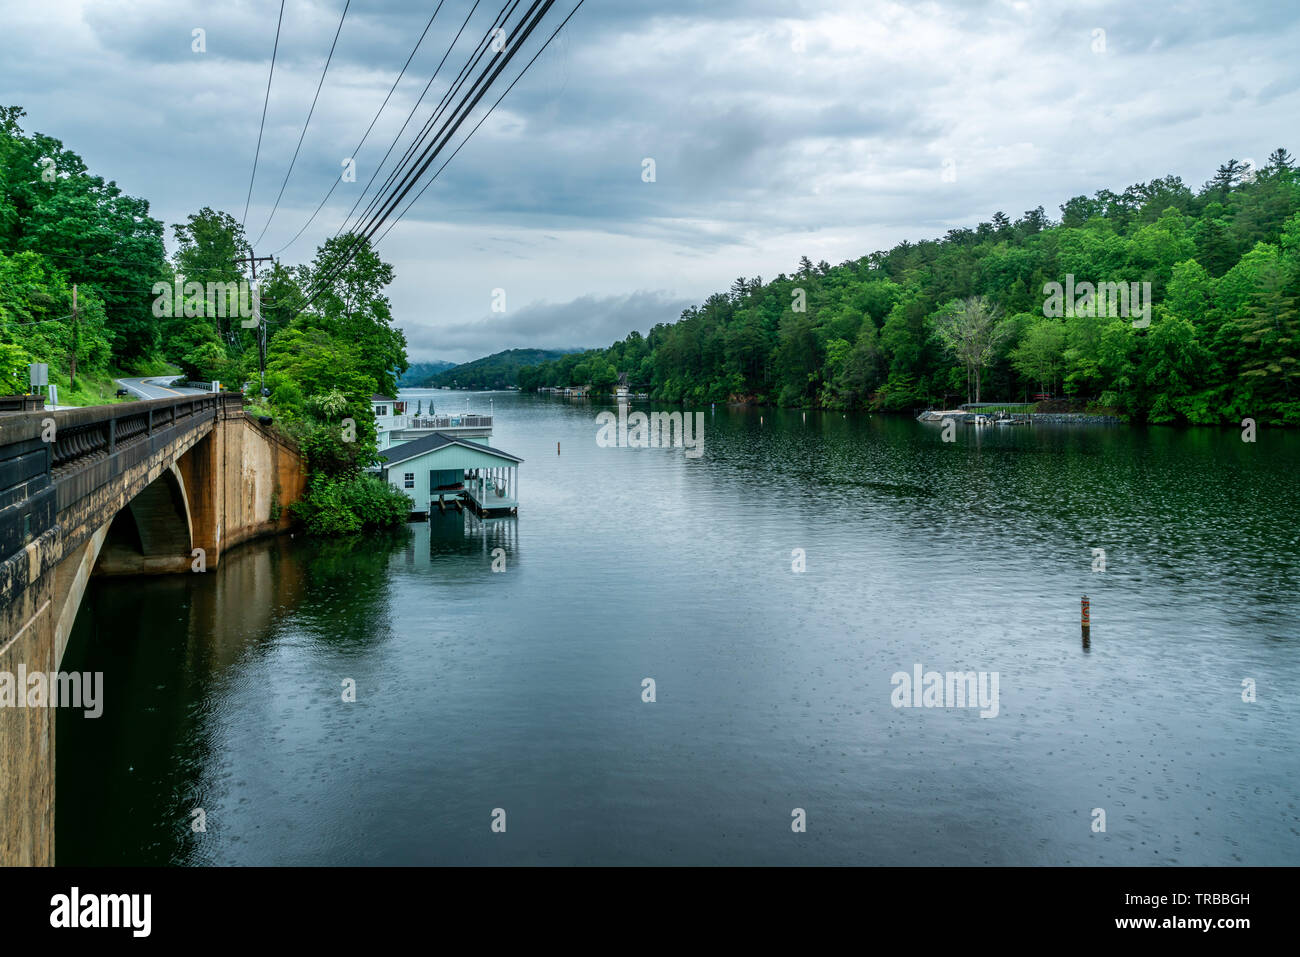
(478, 124)
(262, 126)
(303, 134)
(375, 119)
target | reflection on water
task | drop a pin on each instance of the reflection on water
(521, 688)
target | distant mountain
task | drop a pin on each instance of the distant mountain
(496, 371)
(414, 377)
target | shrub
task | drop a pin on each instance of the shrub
(339, 506)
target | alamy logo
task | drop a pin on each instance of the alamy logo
(639, 431)
(103, 910)
(1105, 300)
(955, 689)
(196, 300)
(42, 689)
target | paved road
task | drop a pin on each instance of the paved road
(156, 387)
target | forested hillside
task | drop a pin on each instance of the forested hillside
(496, 371)
(420, 372)
(933, 322)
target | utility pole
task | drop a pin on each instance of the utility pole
(261, 323)
(76, 341)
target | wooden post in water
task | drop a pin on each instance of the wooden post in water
(1085, 620)
(557, 448)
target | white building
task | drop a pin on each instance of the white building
(440, 471)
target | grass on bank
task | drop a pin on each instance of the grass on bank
(99, 387)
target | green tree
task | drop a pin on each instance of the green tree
(347, 279)
(1270, 334)
(970, 330)
(1040, 356)
(208, 244)
(95, 235)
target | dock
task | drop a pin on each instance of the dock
(977, 418)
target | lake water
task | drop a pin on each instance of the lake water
(522, 689)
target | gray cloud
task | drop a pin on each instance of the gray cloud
(778, 129)
(585, 322)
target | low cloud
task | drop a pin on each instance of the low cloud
(585, 322)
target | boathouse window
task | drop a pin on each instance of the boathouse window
(408, 480)
(381, 410)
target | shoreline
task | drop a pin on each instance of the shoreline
(1028, 418)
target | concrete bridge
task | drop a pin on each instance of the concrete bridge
(156, 487)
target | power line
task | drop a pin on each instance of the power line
(438, 142)
(262, 126)
(322, 282)
(382, 106)
(83, 256)
(440, 110)
(96, 287)
(431, 152)
(434, 144)
(305, 125)
(480, 122)
(423, 138)
(37, 322)
(433, 148)
(415, 107)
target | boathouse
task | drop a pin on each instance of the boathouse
(441, 471)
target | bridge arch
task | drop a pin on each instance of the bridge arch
(153, 533)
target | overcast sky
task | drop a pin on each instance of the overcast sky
(777, 129)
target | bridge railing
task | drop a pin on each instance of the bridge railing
(82, 439)
(51, 459)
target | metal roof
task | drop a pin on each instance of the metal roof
(434, 441)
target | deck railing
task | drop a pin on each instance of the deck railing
(466, 421)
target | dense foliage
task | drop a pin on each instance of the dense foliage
(355, 504)
(934, 322)
(323, 363)
(60, 226)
